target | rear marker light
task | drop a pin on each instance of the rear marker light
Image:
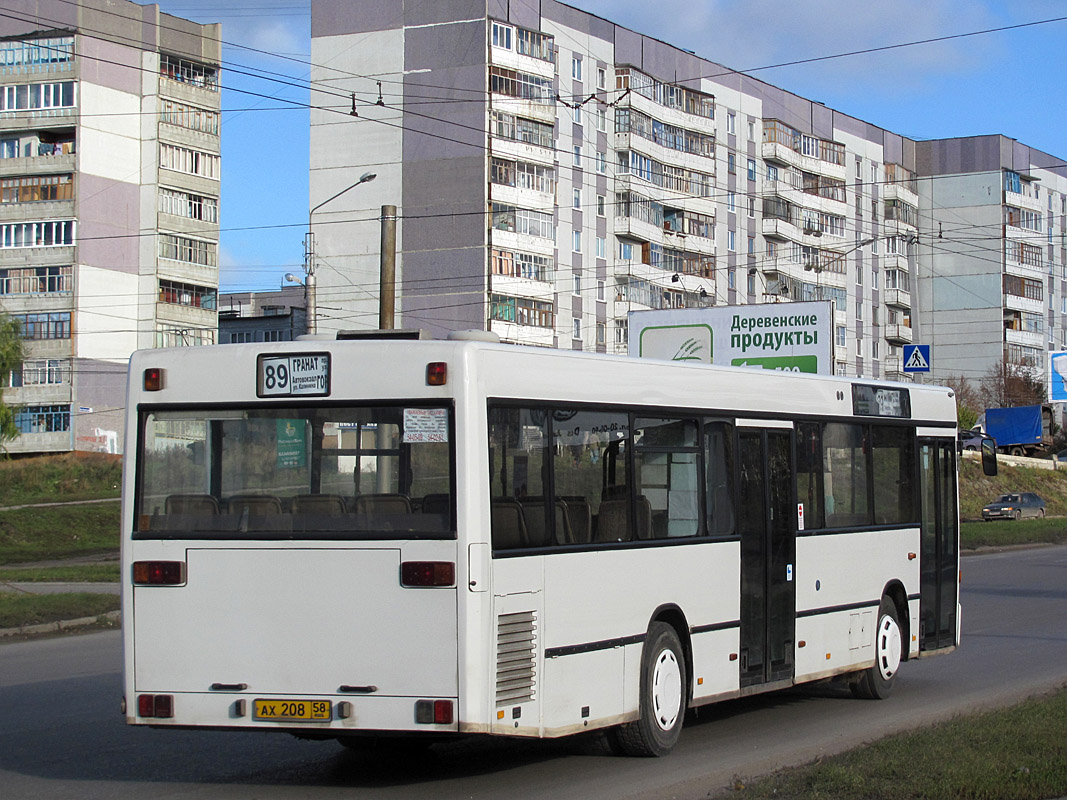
(436, 373)
(433, 712)
(153, 379)
(427, 573)
(158, 706)
(158, 573)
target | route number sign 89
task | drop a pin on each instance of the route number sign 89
(303, 375)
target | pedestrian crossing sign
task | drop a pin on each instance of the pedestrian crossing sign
(916, 358)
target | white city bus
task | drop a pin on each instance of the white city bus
(400, 540)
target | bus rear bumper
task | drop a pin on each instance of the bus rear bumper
(346, 714)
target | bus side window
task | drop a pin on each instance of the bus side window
(810, 474)
(518, 454)
(666, 459)
(719, 477)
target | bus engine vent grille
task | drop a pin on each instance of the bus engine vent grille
(516, 659)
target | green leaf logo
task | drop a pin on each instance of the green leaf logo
(688, 351)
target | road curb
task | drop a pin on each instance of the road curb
(60, 625)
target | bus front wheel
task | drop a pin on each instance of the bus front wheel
(663, 696)
(876, 682)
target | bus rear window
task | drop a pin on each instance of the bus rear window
(312, 473)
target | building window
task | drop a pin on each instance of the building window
(577, 160)
(173, 336)
(731, 123)
(275, 336)
(576, 331)
(534, 44)
(600, 291)
(730, 241)
(521, 84)
(577, 288)
(43, 419)
(601, 333)
(189, 117)
(751, 131)
(731, 202)
(576, 68)
(601, 78)
(41, 372)
(36, 188)
(859, 309)
(576, 199)
(601, 162)
(188, 205)
(53, 233)
(600, 247)
(38, 327)
(187, 294)
(752, 207)
(841, 336)
(191, 251)
(502, 36)
(601, 119)
(38, 53)
(731, 163)
(600, 205)
(522, 311)
(752, 169)
(577, 115)
(523, 220)
(751, 283)
(36, 280)
(520, 129)
(191, 162)
(37, 96)
(576, 240)
(522, 265)
(183, 71)
(731, 278)
(752, 245)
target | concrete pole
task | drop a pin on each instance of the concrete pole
(387, 286)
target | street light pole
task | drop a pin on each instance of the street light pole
(310, 297)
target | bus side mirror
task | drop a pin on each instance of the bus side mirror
(989, 457)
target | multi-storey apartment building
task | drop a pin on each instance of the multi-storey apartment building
(555, 171)
(993, 267)
(277, 316)
(109, 203)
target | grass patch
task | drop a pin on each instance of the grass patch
(23, 609)
(75, 573)
(977, 490)
(46, 479)
(35, 534)
(1017, 754)
(1004, 532)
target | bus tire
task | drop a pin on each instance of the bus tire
(876, 682)
(662, 699)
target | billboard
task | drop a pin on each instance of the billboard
(790, 337)
(1057, 376)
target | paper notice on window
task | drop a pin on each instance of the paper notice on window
(425, 425)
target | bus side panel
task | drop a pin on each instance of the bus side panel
(840, 578)
(598, 603)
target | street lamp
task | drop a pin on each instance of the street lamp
(309, 254)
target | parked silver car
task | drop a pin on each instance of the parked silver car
(1014, 506)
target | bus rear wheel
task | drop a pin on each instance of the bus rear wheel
(663, 697)
(876, 682)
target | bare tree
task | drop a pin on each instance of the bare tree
(1007, 384)
(11, 355)
(969, 402)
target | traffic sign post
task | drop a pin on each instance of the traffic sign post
(916, 358)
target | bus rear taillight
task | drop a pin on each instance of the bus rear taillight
(433, 712)
(153, 379)
(158, 573)
(436, 373)
(160, 706)
(427, 573)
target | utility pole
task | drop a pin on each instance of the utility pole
(387, 284)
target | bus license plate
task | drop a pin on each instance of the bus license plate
(292, 710)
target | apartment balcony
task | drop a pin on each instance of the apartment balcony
(190, 316)
(514, 286)
(898, 298)
(512, 59)
(523, 151)
(662, 113)
(784, 154)
(899, 191)
(898, 334)
(542, 112)
(57, 442)
(1028, 304)
(893, 370)
(523, 334)
(894, 261)
(38, 164)
(1021, 200)
(1024, 338)
(897, 227)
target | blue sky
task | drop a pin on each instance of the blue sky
(1010, 82)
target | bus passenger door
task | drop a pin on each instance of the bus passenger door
(939, 568)
(767, 523)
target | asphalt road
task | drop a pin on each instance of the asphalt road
(61, 734)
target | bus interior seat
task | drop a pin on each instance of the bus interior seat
(613, 521)
(508, 524)
(644, 519)
(383, 504)
(579, 518)
(260, 505)
(436, 504)
(533, 510)
(195, 504)
(330, 505)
